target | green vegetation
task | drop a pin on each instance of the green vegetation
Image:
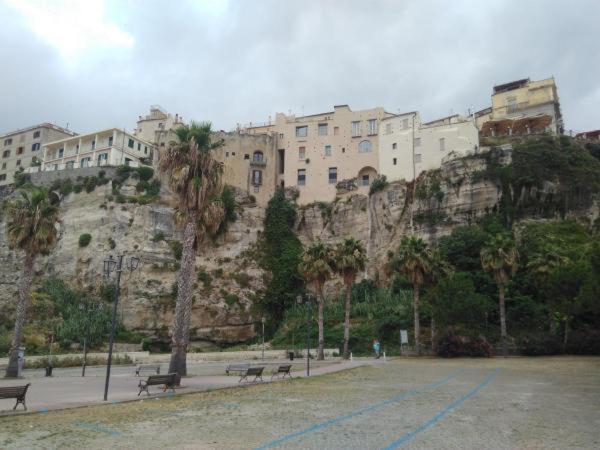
(177, 249)
(158, 236)
(378, 184)
(85, 239)
(229, 206)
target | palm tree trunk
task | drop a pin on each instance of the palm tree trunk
(566, 338)
(417, 323)
(503, 334)
(433, 334)
(347, 321)
(183, 306)
(320, 353)
(20, 316)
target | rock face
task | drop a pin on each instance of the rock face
(229, 277)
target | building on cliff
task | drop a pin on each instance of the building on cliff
(158, 127)
(111, 147)
(522, 107)
(23, 148)
(408, 146)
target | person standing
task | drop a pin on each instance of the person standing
(376, 348)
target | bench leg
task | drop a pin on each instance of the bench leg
(22, 401)
(242, 378)
(143, 388)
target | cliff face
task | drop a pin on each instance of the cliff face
(229, 278)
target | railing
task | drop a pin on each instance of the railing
(258, 162)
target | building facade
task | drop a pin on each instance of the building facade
(316, 152)
(407, 146)
(111, 147)
(23, 148)
(522, 107)
(158, 127)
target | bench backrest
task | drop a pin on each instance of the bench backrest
(170, 378)
(13, 391)
(284, 368)
(238, 366)
(148, 366)
(255, 371)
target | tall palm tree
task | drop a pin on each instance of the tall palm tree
(31, 228)
(316, 269)
(499, 258)
(349, 258)
(440, 268)
(414, 260)
(195, 177)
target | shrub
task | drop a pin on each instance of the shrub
(145, 173)
(77, 188)
(584, 342)
(177, 249)
(538, 344)
(90, 184)
(111, 243)
(158, 236)
(85, 239)
(242, 279)
(378, 184)
(452, 345)
(206, 279)
(217, 273)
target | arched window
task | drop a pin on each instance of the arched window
(257, 156)
(365, 147)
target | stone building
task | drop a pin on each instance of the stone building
(111, 147)
(158, 127)
(522, 107)
(23, 148)
(408, 146)
(316, 152)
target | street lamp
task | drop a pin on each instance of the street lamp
(307, 300)
(88, 308)
(263, 320)
(112, 265)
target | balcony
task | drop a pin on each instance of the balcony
(258, 162)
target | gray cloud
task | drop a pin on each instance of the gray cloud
(260, 57)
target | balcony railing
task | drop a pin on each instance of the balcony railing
(261, 162)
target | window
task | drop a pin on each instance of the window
(280, 135)
(257, 156)
(257, 177)
(7, 142)
(94, 144)
(388, 128)
(395, 161)
(394, 146)
(77, 149)
(417, 157)
(246, 156)
(365, 147)
(365, 180)
(146, 150)
(302, 131)
(332, 175)
(355, 129)
(20, 151)
(336, 131)
(2, 176)
(110, 141)
(372, 126)
(70, 164)
(442, 144)
(405, 123)
(162, 144)
(511, 105)
(302, 153)
(328, 150)
(35, 147)
(139, 147)
(61, 152)
(130, 143)
(322, 129)
(343, 149)
(226, 154)
(128, 161)
(3, 165)
(85, 162)
(102, 159)
(281, 160)
(36, 134)
(417, 142)
(56, 166)
(6, 153)
(301, 177)
(232, 153)
(18, 163)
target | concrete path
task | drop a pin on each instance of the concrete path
(67, 389)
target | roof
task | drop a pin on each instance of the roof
(440, 119)
(510, 85)
(41, 125)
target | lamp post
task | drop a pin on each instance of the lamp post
(307, 300)
(263, 320)
(112, 265)
(88, 309)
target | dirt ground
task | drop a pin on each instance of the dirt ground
(514, 403)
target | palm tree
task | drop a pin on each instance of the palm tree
(31, 228)
(315, 268)
(414, 260)
(349, 258)
(440, 268)
(499, 257)
(195, 177)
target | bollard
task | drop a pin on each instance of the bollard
(350, 356)
(384, 360)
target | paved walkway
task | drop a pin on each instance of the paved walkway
(67, 389)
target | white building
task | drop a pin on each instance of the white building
(407, 146)
(112, 147)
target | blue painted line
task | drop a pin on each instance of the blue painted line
(439, 416)
(98, 428)
(366, 409)
(43, 410)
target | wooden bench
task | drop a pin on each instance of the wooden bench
(169, 381)
(283, 371)
(147, 368)
(239, 368)
(255, 372)
(17, 392)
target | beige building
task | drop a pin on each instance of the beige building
(23, 148)
(522, 107)
(316, 152)
(158, 127)
(408, 146)
(111, 147)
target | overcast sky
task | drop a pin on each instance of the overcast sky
(96, 64)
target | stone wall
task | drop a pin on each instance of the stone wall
(46, 178)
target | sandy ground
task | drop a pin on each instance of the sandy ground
(520, 403)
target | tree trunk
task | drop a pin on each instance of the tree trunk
(320, 354)
(433, 334)
(183, 306)
(20, 315)
(503, 334)
(417, 324)
(347, 321)
(566, 338)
